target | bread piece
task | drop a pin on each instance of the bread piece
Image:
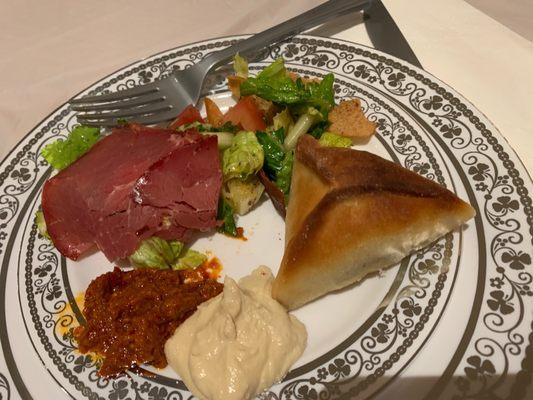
(348, 119)
(234, 85)
(352, 213)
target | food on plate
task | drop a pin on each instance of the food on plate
(293, 106)
(246, 115)
(302, 125)
(140, 194)
(155, 252)
(188, 116)
(131, 314)
(226, 218)
(41, 224)
(133, 184)
(267, 108)
(274, 192)
(240, 164)
(243, 158)
(275, 84)
(330, 139)
(242, 195)
(111, 191)
(214, 115)
(61, 153)
(234, 85)
(347, 119)
(352, 213)
(240, 66)
(237, 344)
(278, 161)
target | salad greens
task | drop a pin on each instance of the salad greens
(283, 177)
(274, 83)
(225, 214)
(302, 108)
(273, 150)
(243, 158)
(278, 161)
(41, 224)
(224, 133)
(227, 127)
(158, 253)
(318, 129)
(283, 120)
(225, 139)
(241, 195)
(189, 259)
(155, 252)
(240, 66)
(333, 140)
(240, 162)
(61, 153)
(304, 123)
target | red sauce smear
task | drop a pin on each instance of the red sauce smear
(208, 270)
(240, 234)
(131, 314)
(212, 268)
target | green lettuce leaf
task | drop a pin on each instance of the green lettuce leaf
(243, 158)
(240, 66)
(319, 129)
(321, 95)
(189, 259)
(226, 215)
(278, 162)
(158, 253)
(302, 126)
(224, 133)
(283, 177)
(155, 252)
(227, 127)
(41, 224)
(279, 135)
(61, 153)
(273, 150)
(283, 120)
(333, 140)
(273, 83)
(242, 195)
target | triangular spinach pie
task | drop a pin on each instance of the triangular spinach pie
(352, 213)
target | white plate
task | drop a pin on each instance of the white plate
(417, 331)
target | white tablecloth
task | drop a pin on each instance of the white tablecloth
(53, 49)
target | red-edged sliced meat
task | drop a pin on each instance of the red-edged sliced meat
(134, 183)
(191, 202)
(71, 210)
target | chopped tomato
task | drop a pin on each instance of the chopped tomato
(214, 115)
(245, 114)
(189, 115)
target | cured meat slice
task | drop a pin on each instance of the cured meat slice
(134, 183)
(191, 201)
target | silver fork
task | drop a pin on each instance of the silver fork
(164, 99)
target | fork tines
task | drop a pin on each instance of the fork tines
(145, 103)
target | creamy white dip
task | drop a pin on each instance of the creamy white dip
(237, 344)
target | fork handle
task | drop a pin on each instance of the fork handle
(309, 19)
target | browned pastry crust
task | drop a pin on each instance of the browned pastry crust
(352, 213)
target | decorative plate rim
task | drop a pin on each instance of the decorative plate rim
(494, 132)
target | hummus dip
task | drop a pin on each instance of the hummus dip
(238, 343)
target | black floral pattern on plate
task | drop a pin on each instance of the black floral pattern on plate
(504, 203)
